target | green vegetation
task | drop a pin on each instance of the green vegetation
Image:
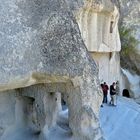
(128, 41)
(128, 53)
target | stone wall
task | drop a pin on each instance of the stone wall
(129, 17)
(40, 43)
(98, 23)
(33, 112)
(7, 110)
(109, 66)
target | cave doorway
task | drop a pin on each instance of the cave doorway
(49, 106)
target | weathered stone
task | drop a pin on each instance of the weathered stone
(130, 18)
(41, 43)
(98, 23)
(7, 110)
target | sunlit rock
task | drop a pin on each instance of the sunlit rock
(98, 23)
(42, 53)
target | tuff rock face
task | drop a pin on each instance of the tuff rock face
(42, 53)
(130, 18)
(98, 23)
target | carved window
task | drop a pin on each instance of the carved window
(111, 27)
(110, 55)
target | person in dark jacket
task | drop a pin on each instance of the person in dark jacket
(112, 94)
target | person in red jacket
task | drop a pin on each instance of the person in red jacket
(105, 92)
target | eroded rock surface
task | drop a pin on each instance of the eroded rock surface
(40, 43)
(130, 18)
(98, 23)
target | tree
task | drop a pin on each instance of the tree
(129, 53)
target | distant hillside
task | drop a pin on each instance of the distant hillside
(130, 34)
(129, 56)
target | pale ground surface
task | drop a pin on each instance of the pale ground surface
(118, 123)
(121, 122)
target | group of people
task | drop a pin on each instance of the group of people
(114, 90)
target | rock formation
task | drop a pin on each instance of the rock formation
(42, 53)
(98, 23)
(130, 18)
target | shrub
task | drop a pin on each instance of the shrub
(128, 41)
(128, 55)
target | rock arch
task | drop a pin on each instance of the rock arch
(43, 47)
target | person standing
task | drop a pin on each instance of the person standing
(117, 88)
(112, 94)
(105, 92)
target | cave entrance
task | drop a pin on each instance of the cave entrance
(39, 107)
(24, 111)
(45, 108)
